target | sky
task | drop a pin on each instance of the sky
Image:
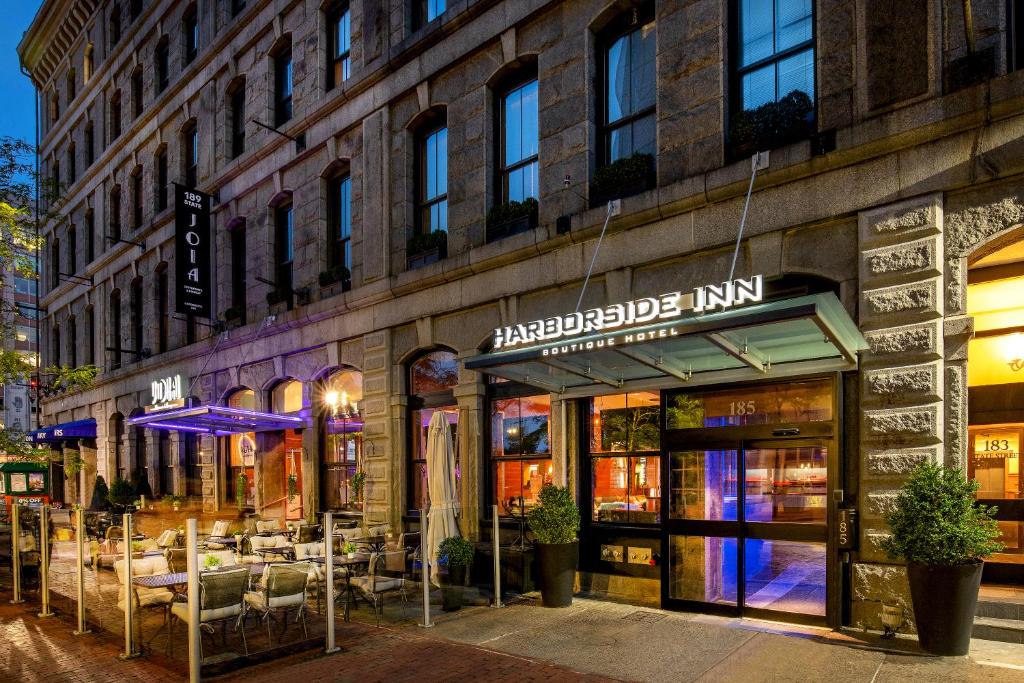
(17, 114)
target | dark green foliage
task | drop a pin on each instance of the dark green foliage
(232, 313)
(936, 522)
(122, 494)
(241, 487)
(455, 551)
(141, 485)
(276, 296)
(509, 211)
(557, 518)
(99, 494)
(772, 125)
(620, 175)
(420, 242)
(338, 273)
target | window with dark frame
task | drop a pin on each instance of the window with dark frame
(1014, 35)
(138, 323)
(161, 179)
(519, 143)
(137, 205)
(162, 77)
(774, 51)
(135, 9)
(163, 309)
(339, 39)
(236, 101)
(283, 248)
(339, 221)
(239, 260)
(72, 238)
(190, 29)
(55, 185)
(629, 90)
(55, 345)
(90, 144)
(425, 11)
(432, 185)
(137, 101)
(71, 86)
(115, 329)
(114, 235)
(72, 170)
(55, 263)
(432, 381)
(90, 335)
(87, 60)
(190, 154)
(520, 447)
(90, 235)
(115, 115)
(115, 25)
(283, 85)
(54, 108)
(73, 342)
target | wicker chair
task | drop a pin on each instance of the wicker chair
(386, 575)
(221, 599)
(153, 599)
(284, 588)
(310, 533)
(177, 559)
(168, 539)
(317, 571)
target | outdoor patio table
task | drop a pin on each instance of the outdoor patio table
(284, 551)
(350, 563)
(374, 543)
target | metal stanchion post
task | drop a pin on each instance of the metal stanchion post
(329, 579)
(80, 569)
(44, 561)
(16, 552)
(191, 553)
(497, 558)
(129, 606)
(425, 562)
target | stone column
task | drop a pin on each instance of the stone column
(177, 456)
(311, 459)
(208, 472)
(152, 437)
(902, 388)
(381, 501)
(89, 471)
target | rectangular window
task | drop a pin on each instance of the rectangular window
(90, 145)
(775, 50)
(339, 37)
(191, 155)
(425, 11)
(239, 261)
(72, 250)
(340, 222)
(137, 103)
(520, 451)
(625, 449)
(283, 246)
(72, 170)
(138, 326)
(90, 235)
(115, 216)
(55, 263)
(433, 181)
(163, 311)
(629, 89)
(283, 87)
(55, 187)
(115, 116)
(115, 26)
(238, 121)
(90, 331)
(190, 28)
(519, 144)
(161, 180)
(137, 208)
(163, 65)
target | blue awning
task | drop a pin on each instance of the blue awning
(76, 429)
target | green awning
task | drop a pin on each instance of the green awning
(805, 335)
(22, 467)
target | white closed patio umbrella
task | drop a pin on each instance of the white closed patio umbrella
(442, 488)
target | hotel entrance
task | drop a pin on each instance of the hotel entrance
(748, 475)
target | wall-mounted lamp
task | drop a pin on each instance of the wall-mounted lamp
(1015, 344)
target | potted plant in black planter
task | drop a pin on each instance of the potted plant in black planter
(334, 275)
(121, 495)
(556, 524)
(511, 218)
(943, 536)
(622, 178)
(772, 125)
(455, 553)
(425, 248)
(99, 494)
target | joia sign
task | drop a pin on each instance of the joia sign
(668, 306)
(192, 252)
(166, 392)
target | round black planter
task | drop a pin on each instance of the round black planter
(944, 602)
(556, 572)
(451, 588)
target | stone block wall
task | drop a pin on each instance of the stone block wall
(901, 380)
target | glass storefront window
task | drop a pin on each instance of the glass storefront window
(625, 443)
(704, 485)
(432, 380)
(342, 394)
(625, 423)
(520, 451)
(806, 401)
(287, 397)
(786, 484)
(434, 372)
(785, 576)
(703, 569)
(242, 453)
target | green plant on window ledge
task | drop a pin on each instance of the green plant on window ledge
(510, 211)
(276, 296)
(338, 273)
(624, 176)
(233, 313)
(358, 481)
(423, 242)
(772, 125)
(293, 486)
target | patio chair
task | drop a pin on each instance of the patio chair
(284, 588)
(177, 559)
(265, 526)
(257, 543)
(151, 599)
(221, 599)
(168, 539)
(382, 579)
(115, 533)
(305, 551)
(220, 531)
(227, 558)
(310, 533)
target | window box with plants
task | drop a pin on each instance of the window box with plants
(233, 315)
(276, 297)
(426, 248)
(944, 537)
(622, 178)
(455, 554)
(335, 275)
(511, 218)
(556, 524)
(772, 125)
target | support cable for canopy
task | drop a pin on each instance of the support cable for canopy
(754, 161)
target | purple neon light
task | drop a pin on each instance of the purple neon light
(176, 419)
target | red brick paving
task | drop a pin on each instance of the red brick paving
(34, 649)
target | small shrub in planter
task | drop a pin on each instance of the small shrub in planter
(99, 494)
(511, 218)
(233, 313)
(556, 524)
(276, 296)
(424, 248)
(338, 273)
(121, 494)
(771, 125)
(622, 178)
(944, 537)
(455, 553)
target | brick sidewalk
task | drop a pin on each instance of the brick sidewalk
(35, 649)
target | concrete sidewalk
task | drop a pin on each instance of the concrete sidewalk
(640, 644)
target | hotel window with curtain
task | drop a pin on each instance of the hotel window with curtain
(625, 450)
(774, 51)
(339, 32)
(432, 190)
(629, 85)
(519, 143)
(432, 380)
(520, 435)
(339, 221)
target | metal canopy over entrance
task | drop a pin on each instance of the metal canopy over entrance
(776, 339)
(216, 420)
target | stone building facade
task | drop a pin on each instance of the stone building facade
(909, 174)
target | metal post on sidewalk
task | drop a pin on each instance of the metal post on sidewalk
(80, 569)
(192, 562)
(497, 558)
(44, 561)
(129, 606)
(329, 580)
(16, 552)
(425, 562)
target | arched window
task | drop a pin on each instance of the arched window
(163, 308)
(338, 43)
(236, 117)
(72, 164)
(55, 345)
(72, 342)
(90, 335)
(432, 380)
(55, 263)
(341, 394)
(138, 103)
(287, 397)
(339, 224)
(627, 107)
(283, 83)
(432, 177)
(190, 153)
(114, 313)
(115, 439)
(161, 57)
(284, 249)
(160, 178)
(54, 108)
(71, 86)
(115, 25)
(190, 34)
(138, 327)
(137, 201)
(72, 239)
(87, 58)
(239, 265)
(241, 452)
(90, 144)
(115, 115)
(115, 214)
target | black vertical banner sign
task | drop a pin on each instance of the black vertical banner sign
(192, 250)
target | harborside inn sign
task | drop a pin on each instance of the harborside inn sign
(656, 309)
(192, 245)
